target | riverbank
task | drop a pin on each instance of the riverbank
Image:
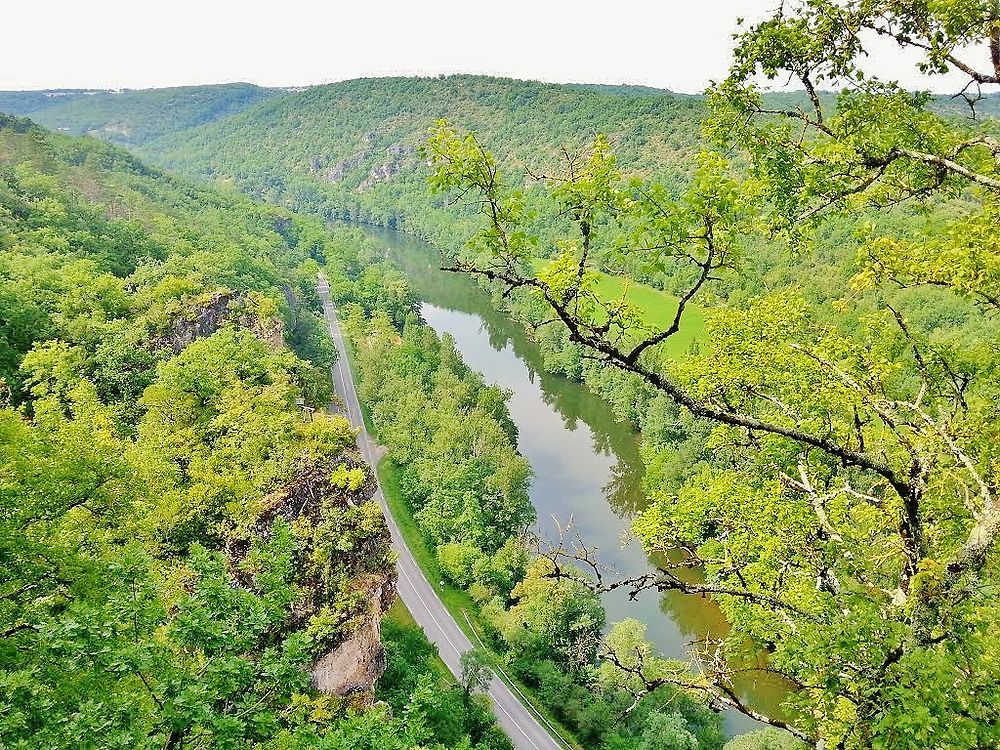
(587, 463)
(459, 603)
(512, 712)
(465, 487)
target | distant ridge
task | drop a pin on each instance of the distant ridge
(349, 149)
(132, 117)
(27, 102)
(625, 89)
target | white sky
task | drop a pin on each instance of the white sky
(673, 44)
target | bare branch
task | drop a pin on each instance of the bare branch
(612, 355)
(949, 164)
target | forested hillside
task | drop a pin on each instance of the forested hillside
(132, 118)
(350, 149)
(23, 102)
(846, 509)
(188, 540)
(793, 295)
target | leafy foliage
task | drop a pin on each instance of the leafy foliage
(461, 472)
(825, 452)
(179, 544)
(846, 515)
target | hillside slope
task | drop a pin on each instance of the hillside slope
(349, 149)
(23, 102)
(132, 118)
(184, 553)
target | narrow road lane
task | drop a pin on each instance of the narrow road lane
(520, 724)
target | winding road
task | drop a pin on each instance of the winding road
(516, 719)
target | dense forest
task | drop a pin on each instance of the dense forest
(132, 118)
(24, 102)
(793, 296)
(349, 150)
(844, 507)
(162, 360)
(181, 545)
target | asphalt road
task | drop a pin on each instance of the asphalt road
(520, 724)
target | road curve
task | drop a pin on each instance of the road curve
(520, 724)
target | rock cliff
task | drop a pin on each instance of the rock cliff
(339, 528)
(205, 318)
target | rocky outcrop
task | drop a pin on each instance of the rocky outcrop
(353, 667)
(205, 318)
(269, 330)
(397, 158)
(326, 512)
(200, 321)
(400, 157)
(339, 170)
(399, 151)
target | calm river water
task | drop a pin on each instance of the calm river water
(587, 469)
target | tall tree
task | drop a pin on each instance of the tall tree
(476, 673)
(848, 523)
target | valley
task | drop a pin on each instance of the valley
(450, 411)
(586, 463)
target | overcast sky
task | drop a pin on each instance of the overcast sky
(675, 44)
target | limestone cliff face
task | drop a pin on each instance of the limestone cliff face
(346, 569)
(205, 318)
(372, 165)
(398, 158)
(352, 668)
(340, 170)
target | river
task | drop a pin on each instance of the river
(587, 468)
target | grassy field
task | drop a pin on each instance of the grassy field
(657, 308)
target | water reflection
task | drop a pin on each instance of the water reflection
(587, 466)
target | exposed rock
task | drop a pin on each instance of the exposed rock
(311, 489)
(205, 319)
(339, 170)
(382, 172)
(399, 157)
(400, 151)
(353, 667)
(350, 665)
(269, 330)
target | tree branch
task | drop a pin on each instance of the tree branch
(613, 355)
